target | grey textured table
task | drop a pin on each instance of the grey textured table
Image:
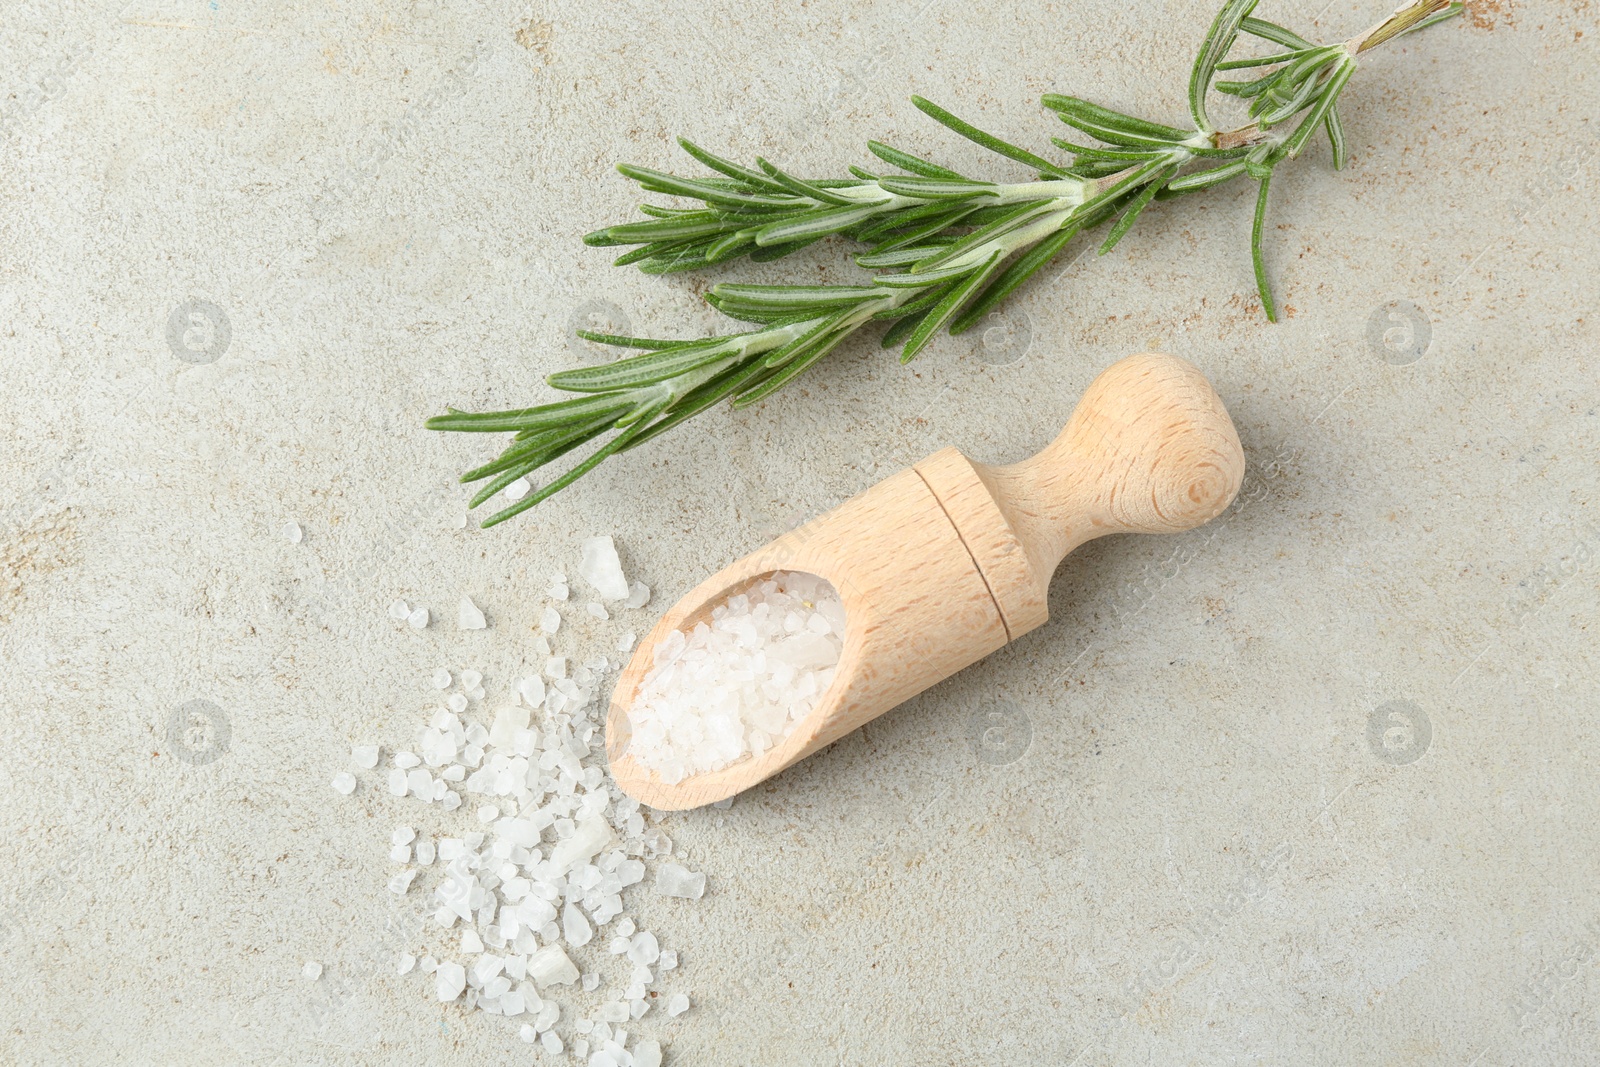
(1310, 785)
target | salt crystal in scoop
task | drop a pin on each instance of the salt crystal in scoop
(739, 684)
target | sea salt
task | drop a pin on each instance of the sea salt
(549, 620)
(291, 530)
(344, 782)
(399, 610)
(312, 970)
(550, 966)
(529, 900)
(601, 568)
(418, 619)
(740, 684)
(450, 979)
(674, 880)
(470, 616)
(677, 1004)
(638, 595)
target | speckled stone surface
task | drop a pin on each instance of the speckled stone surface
(1311, 785)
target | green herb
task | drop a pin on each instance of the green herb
(949, 247)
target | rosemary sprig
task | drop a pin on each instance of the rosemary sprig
(948, 247)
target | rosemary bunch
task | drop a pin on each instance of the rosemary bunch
(947, 247)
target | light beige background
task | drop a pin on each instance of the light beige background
(1210, 849)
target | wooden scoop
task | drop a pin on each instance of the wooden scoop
(941, 564)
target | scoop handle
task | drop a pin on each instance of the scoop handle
(1149, 449)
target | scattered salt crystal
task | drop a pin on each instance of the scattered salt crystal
(517, 489)
(555, 667)
(425, 852)
(601, 568)
(470, 616)
(625, 642)
(550, 966)
(598, 610)
(644, 950)
(406, 962)
(575, 926)
(418, 619)
(669, 959)
(741, 683)
(456, 702)
(402, 835)
(647, 1053)
(312, 970)
(580, 1048)
(638, 595)
(450, 980)
(291, 530)
(588, 837)
(344, 782)
(591, 982)
(397, 783)
(612, 1012)
(508, 722)
(400, 854)
(677, 1004)
(471, 943)
(401, 882)
(441, 679)
(364, 756)
(470, 678)
(552, 1043)
(487, 968)
(406, 760)
(488, 813)
(531, 690)
(528, 1034)
(428, 965)
(559, 591)
(549, 620)
(674, 880)
(399, 610)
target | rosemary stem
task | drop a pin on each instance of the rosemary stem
(1405, 17)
